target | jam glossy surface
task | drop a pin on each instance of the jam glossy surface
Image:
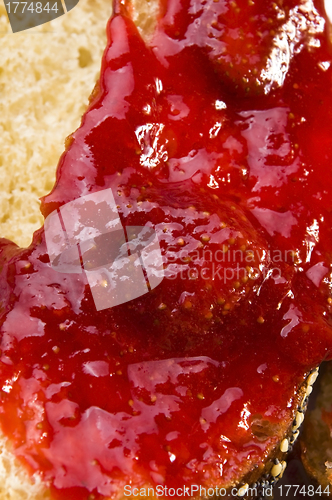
(216, 133)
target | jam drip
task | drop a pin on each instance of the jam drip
(194, 382)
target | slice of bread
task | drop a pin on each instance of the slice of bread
(46, 76)
(44, 91)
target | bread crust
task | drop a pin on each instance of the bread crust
(266, 475)
(316, 440)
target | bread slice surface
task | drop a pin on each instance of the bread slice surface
(84, 58)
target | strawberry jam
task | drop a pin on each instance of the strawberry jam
(214, 135)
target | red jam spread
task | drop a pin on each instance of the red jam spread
(215, 133)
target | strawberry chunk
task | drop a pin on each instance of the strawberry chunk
(251, 44)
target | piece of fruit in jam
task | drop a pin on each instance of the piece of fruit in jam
(196, 381)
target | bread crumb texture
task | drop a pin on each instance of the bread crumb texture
(145, 13)
(46, 76)
(15, 483)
